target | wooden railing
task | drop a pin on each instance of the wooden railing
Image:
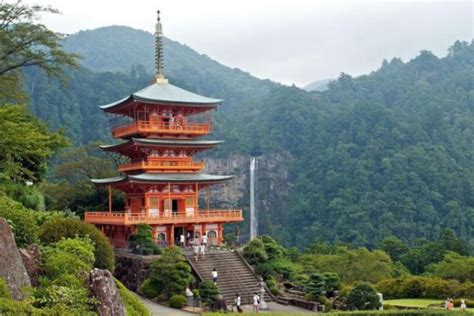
(146, 127)
(122, 218)
(162, 165)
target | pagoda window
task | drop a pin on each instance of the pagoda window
(190, 205)
(154, 209)
(161, 237)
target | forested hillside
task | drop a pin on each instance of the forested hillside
(389, 153)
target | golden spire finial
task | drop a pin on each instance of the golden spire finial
(159, 56)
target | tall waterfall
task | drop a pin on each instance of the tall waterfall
(253, 211)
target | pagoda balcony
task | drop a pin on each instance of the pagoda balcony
(124, 218)
(149, 128)
(164, 166)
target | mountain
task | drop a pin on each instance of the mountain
(318, 85)
(388, 153)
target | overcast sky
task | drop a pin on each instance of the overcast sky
(296, 41)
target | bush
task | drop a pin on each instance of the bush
(56, 229)
(274, 290)
(254, 252)
(132, 304)
(424, 287)
(209, 292)
(363, 297)
(21, 220)
(196, 294)
(272, 248)
(177, 301)
(143, 242)
(315, 285)
(265, 270)
(150, 289)
(170, 274)
(4, 291)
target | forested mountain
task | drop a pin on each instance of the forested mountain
(318, 85)
(389, 153)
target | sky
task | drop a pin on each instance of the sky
(292, 42)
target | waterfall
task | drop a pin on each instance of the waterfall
(253, 211)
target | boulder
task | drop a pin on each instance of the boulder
(103, 288)
(132, 269)
(31, 257)
(11, 265)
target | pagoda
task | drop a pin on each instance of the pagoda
(160, 127)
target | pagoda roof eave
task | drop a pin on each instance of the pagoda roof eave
(200, 144)
(164, 178)
(164, 93)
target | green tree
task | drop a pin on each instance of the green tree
(26, 144)
(454, 266)
(170, 273)
(394, 247)
(142, 240)
(208, 292)
(363, 297)
(316, 285)
(27, 43)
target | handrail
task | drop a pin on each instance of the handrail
(168, 128)
(162, 165)
(130, 218)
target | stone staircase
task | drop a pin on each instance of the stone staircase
(235, 275)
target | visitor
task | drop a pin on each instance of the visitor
(214, 276)
(188, 239)
(196, 250)
(446, 302)
(237, 302)
(256, 302)
(202, 250)
(204, 240)
(463, 306)
(450, 305)
(182, 240)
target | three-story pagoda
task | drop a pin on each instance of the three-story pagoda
(160, 126)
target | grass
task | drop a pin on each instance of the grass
(413, 312)
(413, 302)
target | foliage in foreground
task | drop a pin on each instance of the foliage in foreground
(142, 241)
(208, 292)
(363, 297)
(132, 304)
(54, 230)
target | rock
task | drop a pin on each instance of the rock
(11, 265)
(103, 288)
(31, 257)
(132, 269)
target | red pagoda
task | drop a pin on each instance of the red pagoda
(160, 126)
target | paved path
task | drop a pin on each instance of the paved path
(157, 309)
(275, 307)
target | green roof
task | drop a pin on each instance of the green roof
(166, 93)
(164, 143)
(164, 178)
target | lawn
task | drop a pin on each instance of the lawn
(413, 302)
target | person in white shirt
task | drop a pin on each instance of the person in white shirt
(256, 302)
(204, 240)
(196, 250)
(202, 250)
(237, 302)
(214, 276)
(182, 240)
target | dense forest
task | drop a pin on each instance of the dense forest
(388, 153)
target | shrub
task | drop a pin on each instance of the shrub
(196, 294)
(143, 242)
(363, 297)
(254, 252)
(272, 248)
(170, 274)
(132, 304)
(265, 270)
(52, 231)
(21, 220)
(274, 290)
(150, 289)
(209, 292)
(177, 301)
(4, 291)
(315, 285)
(68, 256)
(424, 287)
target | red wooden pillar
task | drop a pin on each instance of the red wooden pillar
(220, 234)
(171, 235)
(168, 235)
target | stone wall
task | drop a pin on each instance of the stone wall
(132, 269)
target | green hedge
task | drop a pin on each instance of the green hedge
(177, 301)
(54, 230)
